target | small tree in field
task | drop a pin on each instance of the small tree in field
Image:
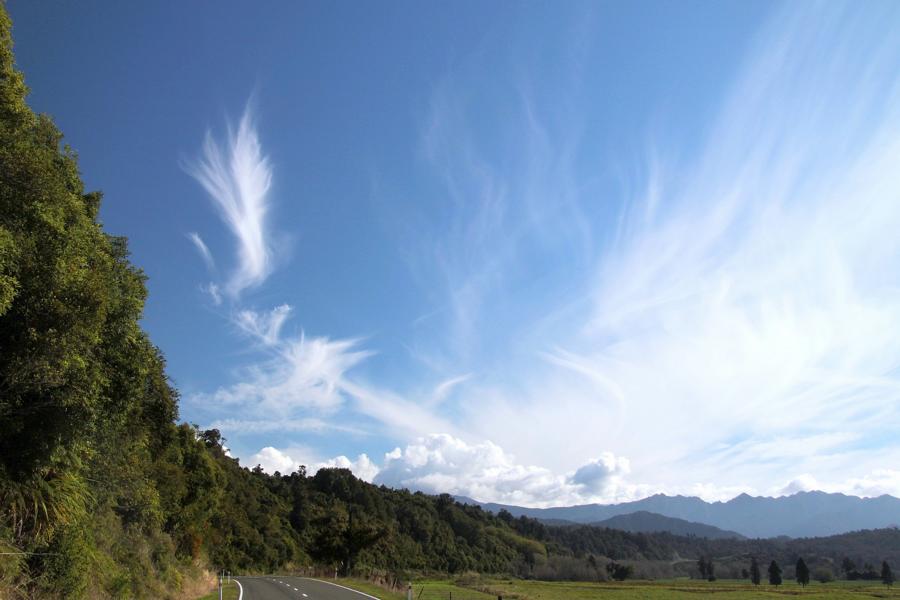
(802, 572)
(754, 572)
(824, 575)
(774, 573)
(887, 576)
(701, 566)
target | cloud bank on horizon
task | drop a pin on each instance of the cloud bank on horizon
(730, 326)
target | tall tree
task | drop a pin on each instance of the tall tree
(887, 576)
(774, 574)
(802, 572)
(702, 567)
(755, 576)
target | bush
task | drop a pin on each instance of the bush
(824, 575)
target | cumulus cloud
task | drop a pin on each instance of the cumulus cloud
(441, 463)
(362, 467)
(288, 461)
(272, 459)
(237, 177)
(602, 474)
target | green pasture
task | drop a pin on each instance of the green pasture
(513, 589)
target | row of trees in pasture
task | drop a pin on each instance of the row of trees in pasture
(802, 572)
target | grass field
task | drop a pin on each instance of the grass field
(651, 590)
(490, 589)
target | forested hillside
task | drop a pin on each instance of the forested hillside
(104, 494)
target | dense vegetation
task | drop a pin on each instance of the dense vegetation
(104, 494)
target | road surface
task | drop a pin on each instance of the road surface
(272, 587)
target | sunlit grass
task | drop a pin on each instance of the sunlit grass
(513, 589)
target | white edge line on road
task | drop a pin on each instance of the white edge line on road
(241, 588)
(345, 587)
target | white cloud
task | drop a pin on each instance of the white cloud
(237, 178)
(440, 463)
(288, 461)
(601, 475)
(362, 467)
(203, 249)
(299, 374)
(266, 327)
(271, 460)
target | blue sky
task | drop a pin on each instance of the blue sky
(538, 253)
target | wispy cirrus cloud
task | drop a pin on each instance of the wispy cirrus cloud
(292, 379)
(745, 305)
(295, 374)
(237, 177)
(203, 249)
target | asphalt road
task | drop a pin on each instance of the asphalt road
(296, 588)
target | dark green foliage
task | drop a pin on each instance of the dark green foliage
(619, 572)
(774, 574)
(755, 575)
(707, 568)
(802, 572)
(887, 576)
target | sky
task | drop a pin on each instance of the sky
(536, 253)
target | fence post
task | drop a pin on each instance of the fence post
(409, 594)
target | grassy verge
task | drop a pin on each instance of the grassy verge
(229, 592)
(448, 590)
(370, 588)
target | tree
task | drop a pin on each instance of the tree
(774, 574)
(702, 566)
(619, 572)
(593, 564)
(887, 576)
(847, 566)
(802, 572)
(710, 570)
(754, 571)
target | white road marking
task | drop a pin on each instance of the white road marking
(241, 588)
(305, 596)
(345, 587)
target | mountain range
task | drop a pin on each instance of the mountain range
(804, 514)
